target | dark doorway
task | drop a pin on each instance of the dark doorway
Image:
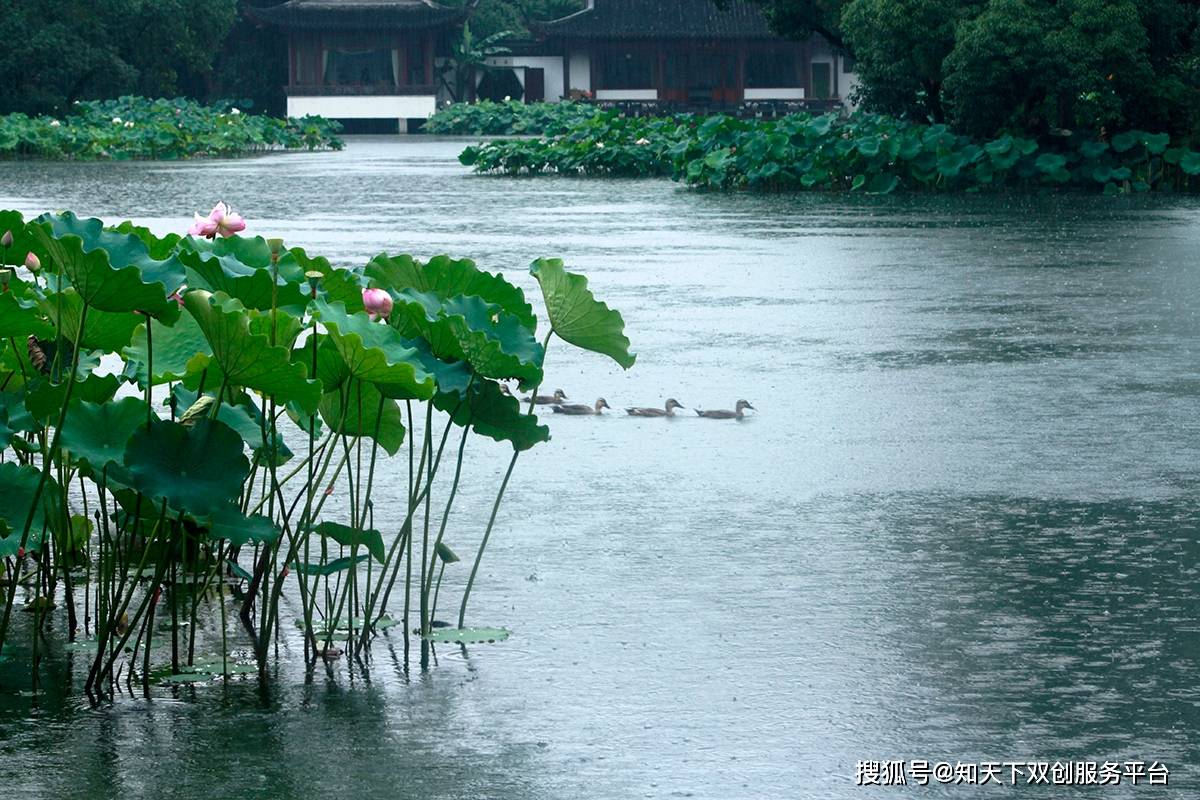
(535, 85)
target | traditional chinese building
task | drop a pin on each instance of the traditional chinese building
(363, 59)
(384, 59)
(690, 52)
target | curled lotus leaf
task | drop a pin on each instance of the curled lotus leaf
(346, 536)
(496, 344)
(248, 359)
(447, 278)
(491, 413)
(577, 317)
(111, 271)
(44, 398)
(219, 267)
(19, 315)
(374, 352)
(198, 469)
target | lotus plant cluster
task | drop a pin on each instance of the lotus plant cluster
(164, 514)
(870, 153)
(141, 128)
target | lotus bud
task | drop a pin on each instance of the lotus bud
(6, 241)
(378, 303)
(33, 263)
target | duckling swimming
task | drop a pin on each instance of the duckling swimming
(555, 399)
(581, 410)
(742, 405)
(668, 411)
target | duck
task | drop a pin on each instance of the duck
(581, 410)
(667, 411)
(555, 399)
(739, 413)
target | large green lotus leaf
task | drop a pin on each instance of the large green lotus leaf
(238, 529)
(19, 316)
(374, 352)
(44, 398)
(18, 486)
(95, 434)
(111, 271)
(6, 431)
(175, 347)
(363, 413)
(106, 331)
(198, 469)
(493, 414)
(495, 343)
(279, 326)
(16, 415)
(248, 359)
(372, 540)
(577, 316)
(252, 285)
(447, 278)
(159, 247)
(451, 377)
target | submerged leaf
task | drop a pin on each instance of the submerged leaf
(467, 635)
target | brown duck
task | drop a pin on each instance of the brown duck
(581, 410)
(739, 413)
(667, 411)
(555, 399)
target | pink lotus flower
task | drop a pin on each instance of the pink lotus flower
(6, 240)
(378, 303)
(33, 263)
(221, 220)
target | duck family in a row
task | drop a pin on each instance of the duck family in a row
(556, 402)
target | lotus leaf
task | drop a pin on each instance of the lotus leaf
(493, 414)
(18, 487)
(248, 359)
(374, 352)
(197, 469)
(111, 271)
(577, 317)
(96, 434)
(231, 525)
(448, 278)
(366, 412)
(346, 536)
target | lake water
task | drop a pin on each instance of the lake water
(962, 525)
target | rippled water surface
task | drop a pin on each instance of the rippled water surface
(962, 525)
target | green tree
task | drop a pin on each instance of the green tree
(57, 51)
(900, 46)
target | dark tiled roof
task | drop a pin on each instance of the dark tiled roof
(661, 19)
(358, 14)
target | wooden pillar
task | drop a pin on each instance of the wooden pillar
(566, 62)
(429, 79)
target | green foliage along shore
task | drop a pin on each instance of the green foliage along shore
(862, 152)
(510, 118)
(140, 128)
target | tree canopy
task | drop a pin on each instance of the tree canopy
(59, 51)
(1030, 66)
